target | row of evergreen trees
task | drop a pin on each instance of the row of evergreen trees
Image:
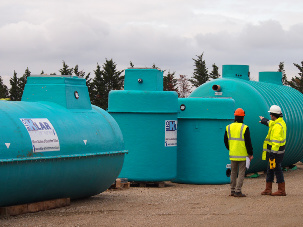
(107, 78)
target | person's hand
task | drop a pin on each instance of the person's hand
(251, 157)
(260, 118)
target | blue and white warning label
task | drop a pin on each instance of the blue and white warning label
(171, 133)
(42, 133)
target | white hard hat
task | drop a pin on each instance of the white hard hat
(275, 109)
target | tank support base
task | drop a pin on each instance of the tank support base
(34, 207)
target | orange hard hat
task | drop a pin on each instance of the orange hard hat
(239, 112)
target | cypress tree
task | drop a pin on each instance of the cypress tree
(169, 82)
(200, 75)
(284, 77)
(215, 72)
(66, 70)
(22, 80)
(3, 89)
(106, 79)
(297, 81)
(14, 91)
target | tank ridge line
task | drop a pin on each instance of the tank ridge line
(63, 156)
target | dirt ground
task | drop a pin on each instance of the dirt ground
(179, 205)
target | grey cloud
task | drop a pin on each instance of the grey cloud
(87, 32)
(54, 40)
(268, 35)
(261, 46)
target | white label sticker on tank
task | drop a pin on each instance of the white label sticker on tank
(218, 93)
(42, 133)
(171, 133)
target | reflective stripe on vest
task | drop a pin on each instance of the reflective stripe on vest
(278, 152)
(237, 156)
(277, 141)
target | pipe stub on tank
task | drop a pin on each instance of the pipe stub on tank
(182, 107)
(216, 87)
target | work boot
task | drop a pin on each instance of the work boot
(281, 190)
(239, 194)
(232, 193)
(268, 189)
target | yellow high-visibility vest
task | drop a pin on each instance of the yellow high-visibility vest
(236, 142)
(276, 137)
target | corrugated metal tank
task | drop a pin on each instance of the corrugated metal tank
(256, 98)
(55, 144)
(202, 156)
(147, 116)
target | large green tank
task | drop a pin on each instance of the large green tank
(147, 116)
(55, 144)
(256, 98)
(202, 156)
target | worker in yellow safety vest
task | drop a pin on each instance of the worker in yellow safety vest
(274, 149)
(237, 141)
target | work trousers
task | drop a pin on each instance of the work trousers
(237, 182)
(276, 171)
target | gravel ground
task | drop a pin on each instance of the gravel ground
(179, 205)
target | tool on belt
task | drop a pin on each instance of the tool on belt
(272, 163)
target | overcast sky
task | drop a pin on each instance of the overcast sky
(41, 34)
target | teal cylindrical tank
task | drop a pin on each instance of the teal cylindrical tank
(202, 156)
(147, 116)
(256, 98)
(55, 144)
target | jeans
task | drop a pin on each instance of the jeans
(276, 171)
(236, 183)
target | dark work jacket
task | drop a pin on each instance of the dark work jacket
(247, 141)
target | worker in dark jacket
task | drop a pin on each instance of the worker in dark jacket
(237, 141)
